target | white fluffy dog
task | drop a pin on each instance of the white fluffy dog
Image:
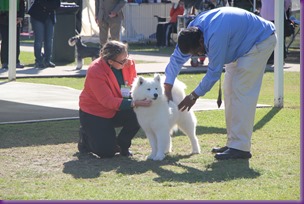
(161, 118)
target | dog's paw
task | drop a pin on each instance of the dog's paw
(196, 150)
(151, 156)
(159, 157)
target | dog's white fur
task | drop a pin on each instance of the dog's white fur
(161, 118)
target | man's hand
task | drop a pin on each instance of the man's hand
(168, 91)
(188, 101)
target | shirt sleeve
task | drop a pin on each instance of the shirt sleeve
(175, 64)
(216, 52)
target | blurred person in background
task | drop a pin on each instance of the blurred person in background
(4, 31)
(109, 17)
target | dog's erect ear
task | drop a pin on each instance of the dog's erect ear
(140, 80)
(157, 77)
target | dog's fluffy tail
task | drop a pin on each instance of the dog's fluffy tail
(178, 91)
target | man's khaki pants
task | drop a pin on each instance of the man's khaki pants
(242, 84)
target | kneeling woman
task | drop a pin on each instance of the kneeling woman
(105, 103)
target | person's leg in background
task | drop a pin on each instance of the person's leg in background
(115, 29)
(4, 29)
(48, 42)
(168, 34)
(171, 28)
(18, 64)
(271, 58)
(4, 46)
(161, 34)
(103, 33)
(38, 28)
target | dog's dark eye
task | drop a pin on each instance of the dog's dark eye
(149, 89)
(155, 88)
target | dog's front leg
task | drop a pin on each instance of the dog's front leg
(153, 143)
(163, 142)
(79, 63)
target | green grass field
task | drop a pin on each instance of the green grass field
(40, 161)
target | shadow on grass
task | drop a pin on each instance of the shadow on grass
(60, 132)
(88, 166)
(200, 130)
(217, 130)
(260, 124)
(39, 133)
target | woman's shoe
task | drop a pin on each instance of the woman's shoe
(126, 153)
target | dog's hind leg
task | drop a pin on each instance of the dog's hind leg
(169, 146)
(187, 124)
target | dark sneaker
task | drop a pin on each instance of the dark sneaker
(126, 153)
(19, 66)
(50, 64)
(39, 66)
(4, 66)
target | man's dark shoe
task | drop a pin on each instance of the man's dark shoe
(231, 153)
(219, 150)
(126, 153)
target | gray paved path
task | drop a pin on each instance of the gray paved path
(26, 102)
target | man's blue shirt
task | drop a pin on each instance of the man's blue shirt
(229, 33)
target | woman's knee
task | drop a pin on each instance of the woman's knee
(103, 150)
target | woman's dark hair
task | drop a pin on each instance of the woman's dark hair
(189, 39)
(112, 49)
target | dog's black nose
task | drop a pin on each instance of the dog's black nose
(155, 96)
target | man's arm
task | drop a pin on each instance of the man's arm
(168, 91)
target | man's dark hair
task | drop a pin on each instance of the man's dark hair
(189, 39)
